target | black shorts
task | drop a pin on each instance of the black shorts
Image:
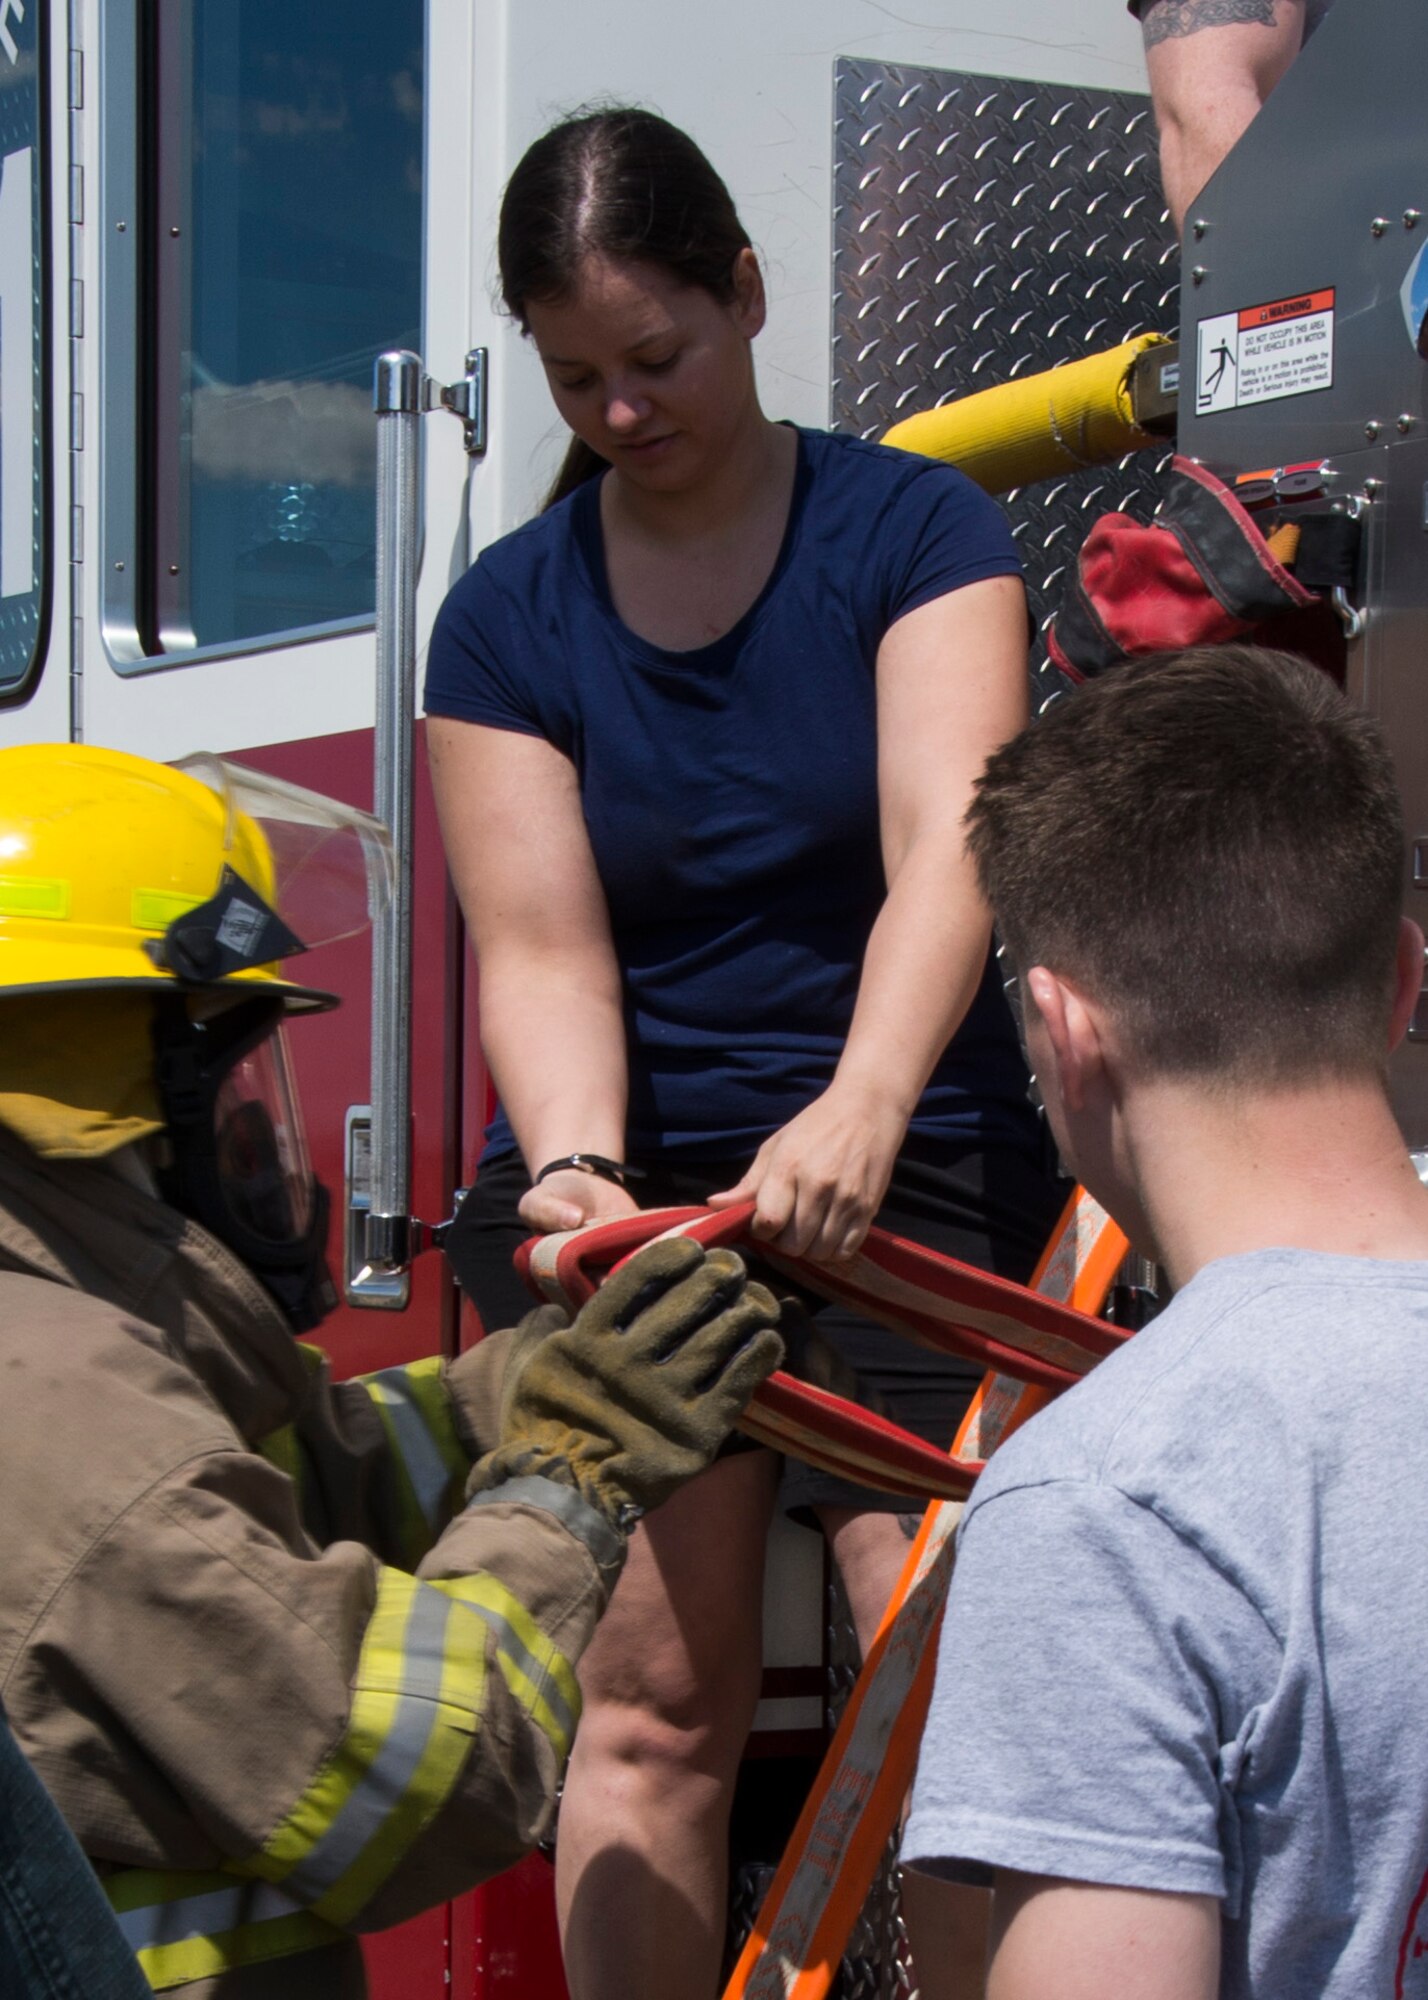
(993, 1207)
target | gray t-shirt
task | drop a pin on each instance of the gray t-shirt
(1187, 1641)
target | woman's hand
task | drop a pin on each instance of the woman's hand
(820, 1180)
(569, 1198)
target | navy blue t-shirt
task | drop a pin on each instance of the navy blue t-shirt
(731, 792)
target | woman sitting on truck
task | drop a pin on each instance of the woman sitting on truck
(702, 735)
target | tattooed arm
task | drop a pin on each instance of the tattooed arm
(1212, 64)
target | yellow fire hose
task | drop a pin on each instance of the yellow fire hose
(1056, 422)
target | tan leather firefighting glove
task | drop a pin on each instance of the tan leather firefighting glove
(639, 1392)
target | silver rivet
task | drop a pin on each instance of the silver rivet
(1405, 422)
(1372, 429)
(1378, 225)
(121, 227)
(120, 567)
(173, 569)
(173, 229)
(1199, 274)
(1412, 217)
(1372, 488)
(1199, 226)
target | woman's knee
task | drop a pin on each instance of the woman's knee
(672, 1695)
(669, 1747)
(672, 1674)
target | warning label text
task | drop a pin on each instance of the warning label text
(1282, 348)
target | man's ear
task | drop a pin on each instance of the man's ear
(1072, 1031)
(750, 304)
(1407, 979)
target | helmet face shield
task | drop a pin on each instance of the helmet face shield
(264, 1174)
(329, 868)
(237, 1153)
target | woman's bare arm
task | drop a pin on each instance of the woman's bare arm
(551, 1019)
(951, 686)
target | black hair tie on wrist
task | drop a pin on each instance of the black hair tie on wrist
(592, 1163)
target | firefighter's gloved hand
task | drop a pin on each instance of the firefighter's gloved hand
(638, 1394)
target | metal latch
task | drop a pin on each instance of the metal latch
(1351, 616)
(363, 1283)
(377, 1249)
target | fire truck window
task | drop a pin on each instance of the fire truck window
(285, 253)
(22, 458)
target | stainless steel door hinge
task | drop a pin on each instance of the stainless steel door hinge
(465, 399)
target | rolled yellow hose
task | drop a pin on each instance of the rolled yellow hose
(1056, 422)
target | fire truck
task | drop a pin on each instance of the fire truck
(222, 221)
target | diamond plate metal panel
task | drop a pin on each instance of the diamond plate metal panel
(986, 228)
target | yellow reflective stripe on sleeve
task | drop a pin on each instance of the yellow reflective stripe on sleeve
(184, 1925)
(537, 1674)
(416, 1707)
(281, 1448)
(432, 1467)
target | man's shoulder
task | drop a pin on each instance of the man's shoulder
(1252, 1343)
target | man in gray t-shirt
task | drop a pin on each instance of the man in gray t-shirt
(1182, 1696)
(1211, 64)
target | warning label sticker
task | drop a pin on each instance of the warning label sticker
(1283, 348)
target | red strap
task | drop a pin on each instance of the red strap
(934, 1300)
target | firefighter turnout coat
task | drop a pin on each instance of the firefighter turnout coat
(281, 1682)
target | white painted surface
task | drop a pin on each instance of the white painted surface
(752, 81)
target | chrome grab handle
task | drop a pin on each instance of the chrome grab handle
(383, 1235)
(398, 400)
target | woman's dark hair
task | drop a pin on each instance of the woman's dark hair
(619, 183)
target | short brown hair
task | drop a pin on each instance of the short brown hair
(1210, 843)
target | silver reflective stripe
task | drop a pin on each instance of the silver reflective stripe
(384, 1783)
(425, 1466)
(207, 1915)
(600, 1536)
(529, 1665)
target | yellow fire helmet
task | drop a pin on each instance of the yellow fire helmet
(119, 872)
